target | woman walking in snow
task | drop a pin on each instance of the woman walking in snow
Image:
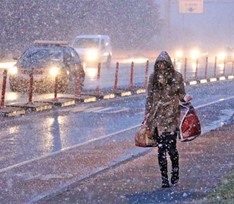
(165, 90)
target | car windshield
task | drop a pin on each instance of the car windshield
(40, 55)
(86, 42)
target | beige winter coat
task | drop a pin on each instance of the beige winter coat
(162, 105)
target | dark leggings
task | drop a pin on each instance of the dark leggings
(167, 143)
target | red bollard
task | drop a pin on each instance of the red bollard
(224, 67)
(131, 76)
(116, 77)
(206, 68)
(146, 73)
(196, 69)
(215, 66)
(30, 92)
(98, 78)
(3, 88)
(232, 67)
(55, 88)
(185, 68)
(78, 83)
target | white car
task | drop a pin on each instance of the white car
(93, 49)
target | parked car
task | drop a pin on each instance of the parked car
(47, 59)
(93, 49)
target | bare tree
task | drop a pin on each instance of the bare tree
(130, 23)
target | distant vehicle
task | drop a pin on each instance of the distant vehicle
(93, 49)
(47, 59)
(191, 54)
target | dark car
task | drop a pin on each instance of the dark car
(47, 59)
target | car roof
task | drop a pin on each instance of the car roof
(92, 36)
(49, 42)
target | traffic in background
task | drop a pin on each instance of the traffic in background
(128, 74)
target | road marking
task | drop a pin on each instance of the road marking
(202, 81)
(107, 110)
(222, 78)
(96, 139)
(103, 109)
(120, 110)
(66, 149)
(94, 109)
(192, 82)
(213, 79)
(214, 102)
(75, 109)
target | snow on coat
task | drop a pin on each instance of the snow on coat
(165, 90)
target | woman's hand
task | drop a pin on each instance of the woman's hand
(187, 98)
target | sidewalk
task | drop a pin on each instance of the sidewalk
(203, 162)
(114, 170)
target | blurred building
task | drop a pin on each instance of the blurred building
(212, 29)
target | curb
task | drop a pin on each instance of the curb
(89, 97)
(71, 185)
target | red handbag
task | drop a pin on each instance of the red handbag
(143, 137)
(190, 126)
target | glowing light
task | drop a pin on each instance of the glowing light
(179, 54)
(91, 73)
(6, 65)
(195, 54)
(140, 60)
(54, 71)
(221, 55)
(13, 70)
(12, 96)
(92, 55)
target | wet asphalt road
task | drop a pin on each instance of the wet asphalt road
(29, 137)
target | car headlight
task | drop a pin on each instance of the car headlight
(221, 55)
(92, 55)
(54, 71)
(178, 54)
(13, 70)
(195, 54)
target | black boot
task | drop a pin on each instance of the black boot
(175, 177)
(165, 183)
